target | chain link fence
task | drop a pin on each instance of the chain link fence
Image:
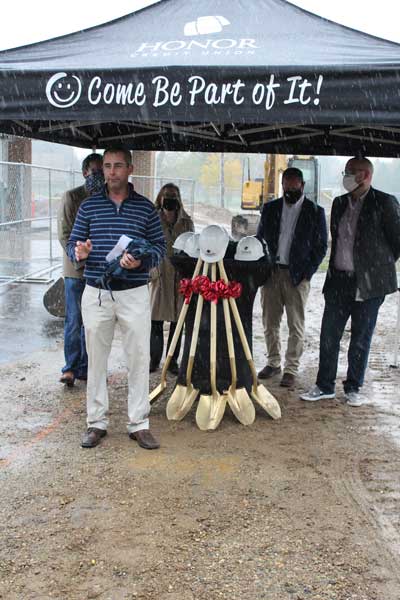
(29, 199)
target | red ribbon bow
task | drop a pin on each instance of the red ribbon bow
(235, 289)
(210, 290)
(222, 289)
(186, 289)
(200, 284)
(211, 294)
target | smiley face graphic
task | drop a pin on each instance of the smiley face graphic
(63, 90)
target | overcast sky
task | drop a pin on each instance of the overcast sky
(27, 21)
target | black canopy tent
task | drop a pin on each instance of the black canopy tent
(209, 75)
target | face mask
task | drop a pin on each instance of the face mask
(293, 196)
(350, 183)
(94, 182)
(170, 203)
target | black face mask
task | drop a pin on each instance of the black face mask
(293, 196)
(170, 203)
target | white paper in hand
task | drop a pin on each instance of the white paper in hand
(118, 248)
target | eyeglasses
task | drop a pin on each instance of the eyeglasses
(352, 172)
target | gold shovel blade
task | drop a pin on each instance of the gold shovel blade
(157, 391)
(180, 402)
(241, 406)
(266, 400)
(210, 411)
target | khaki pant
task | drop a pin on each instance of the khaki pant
(131, 308)
(278, 294)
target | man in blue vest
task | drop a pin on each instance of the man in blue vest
(294, 229)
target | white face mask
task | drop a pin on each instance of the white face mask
(350, 183)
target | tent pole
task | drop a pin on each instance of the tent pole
(395, 363)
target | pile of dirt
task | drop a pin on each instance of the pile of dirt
(304, 508)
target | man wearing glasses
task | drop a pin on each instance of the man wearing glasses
(101, 221)
(365, 230)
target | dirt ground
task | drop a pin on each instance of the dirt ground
(304, 508)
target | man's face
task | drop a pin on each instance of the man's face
(292, 183)
(292, 189)
(93, 167)
(356, 168)
(116, 171)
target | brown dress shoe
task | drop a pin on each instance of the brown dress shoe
(68, 378)
(92, 437)
(288, 380)
(268, 372)
(145, 439)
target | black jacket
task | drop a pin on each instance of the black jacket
(376, 245)
(309, 243)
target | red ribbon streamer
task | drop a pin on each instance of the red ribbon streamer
(211, 291)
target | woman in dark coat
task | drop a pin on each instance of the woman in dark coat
(165, 299)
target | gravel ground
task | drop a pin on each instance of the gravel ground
(305, 508)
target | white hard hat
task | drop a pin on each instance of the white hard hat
(179, 243)
(249, 248)
(192, 247)
(213, 243)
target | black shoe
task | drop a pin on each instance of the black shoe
(92, 437)
(288, 380)
(268, 372)
(173, 367)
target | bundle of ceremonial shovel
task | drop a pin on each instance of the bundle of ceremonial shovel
(211, 407)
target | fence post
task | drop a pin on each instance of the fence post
(192, 196)
(50, 220)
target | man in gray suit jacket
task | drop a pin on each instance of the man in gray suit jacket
(365, 230)
(74, 336)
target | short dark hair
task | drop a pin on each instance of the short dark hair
(91, 158)
(122, 149)
(293, 172)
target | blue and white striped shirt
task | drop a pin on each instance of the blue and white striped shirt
(103, 222)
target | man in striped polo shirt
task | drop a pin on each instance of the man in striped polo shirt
(100, 222)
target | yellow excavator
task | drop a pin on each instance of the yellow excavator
(256, 192)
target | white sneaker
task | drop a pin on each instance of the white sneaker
(316, 394)
(354, 399)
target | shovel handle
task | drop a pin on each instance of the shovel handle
(241, 331)
(179, 326)
(228, 328)
(195, 333)
(213, 337)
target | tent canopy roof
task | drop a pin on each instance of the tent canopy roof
(209, 75)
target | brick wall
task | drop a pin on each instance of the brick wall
(20, 150)
(144, 164)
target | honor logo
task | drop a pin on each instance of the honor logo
(201, 27)
(205, 25)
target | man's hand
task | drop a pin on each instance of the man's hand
(83, 249)
(128, 262)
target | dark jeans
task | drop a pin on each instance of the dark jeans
(74, 335)
(363, 320)
(157, 341)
